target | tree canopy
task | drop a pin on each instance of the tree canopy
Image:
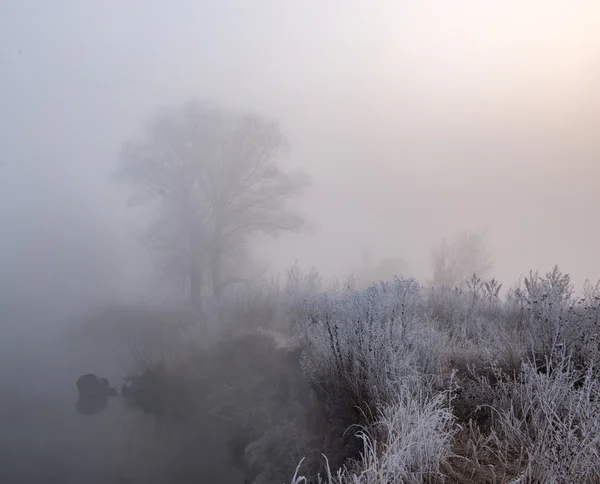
(215, 178)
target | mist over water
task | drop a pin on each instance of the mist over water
(415, 120)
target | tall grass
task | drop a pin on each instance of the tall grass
(408, 442)
(399, 383)
(458, 384)
(551, 425)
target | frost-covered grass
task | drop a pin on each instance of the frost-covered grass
(356, 349)
(550, 427)
(458, 385)
(398, 383)
(409, 441)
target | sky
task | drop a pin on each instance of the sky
(416, 119)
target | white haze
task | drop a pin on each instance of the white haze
(415, 119)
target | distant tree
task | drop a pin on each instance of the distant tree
(455, 262)
(215, 179)
(384, 269)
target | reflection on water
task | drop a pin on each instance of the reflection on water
(91, 404)
(49, 434)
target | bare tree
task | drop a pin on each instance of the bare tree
(215, 179)
(456, 261)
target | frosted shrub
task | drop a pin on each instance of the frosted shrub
(552, 425)
(591, 293)
(523, 371)
(552, 317)
(466, 330)
(356, 348)
(430, 347)
(299, 287)
(463, 314)
(547, 299)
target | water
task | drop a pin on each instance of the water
(43, 439)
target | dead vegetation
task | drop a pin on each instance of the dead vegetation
(396, 384)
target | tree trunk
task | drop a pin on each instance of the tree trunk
(216, 255)
(216, 271)
(195, 273)
(195, 285)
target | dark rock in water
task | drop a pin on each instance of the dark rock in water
(93, 393)
(89, 384)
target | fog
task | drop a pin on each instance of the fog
(414, 119)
